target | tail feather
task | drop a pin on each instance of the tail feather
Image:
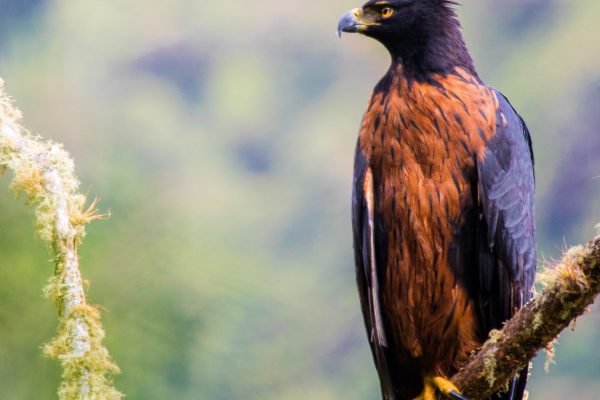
(520, 384)
(516, 389)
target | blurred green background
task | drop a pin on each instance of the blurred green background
(221, 136)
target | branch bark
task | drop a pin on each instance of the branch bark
(569, 289)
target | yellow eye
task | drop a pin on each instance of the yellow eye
(386, 12)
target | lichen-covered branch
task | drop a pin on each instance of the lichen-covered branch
(569, 288)
(43, 171)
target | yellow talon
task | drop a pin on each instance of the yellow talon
(432, 384)
(428, 392)
(444, 385)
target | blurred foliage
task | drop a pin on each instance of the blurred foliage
(221, 135)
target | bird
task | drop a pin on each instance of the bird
(442, 203)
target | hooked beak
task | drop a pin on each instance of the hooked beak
(353, 21)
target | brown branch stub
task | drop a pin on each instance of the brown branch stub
(569, 289)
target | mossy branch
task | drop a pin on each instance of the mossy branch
(569, 288)
(43, 171)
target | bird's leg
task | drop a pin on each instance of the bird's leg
(431, 384)
(428, 392)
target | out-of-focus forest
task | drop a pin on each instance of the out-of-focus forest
(220, 134)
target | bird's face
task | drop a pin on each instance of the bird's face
(388, 20)
(423, 35)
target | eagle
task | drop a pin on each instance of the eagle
(442, 203)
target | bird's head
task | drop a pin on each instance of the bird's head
(422, 33)
(385, 20)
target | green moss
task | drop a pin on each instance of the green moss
(55, 290)
(490, 361)
(90, 372)
(566, 274)
(489, 369)
(495, 336)
(538, 320)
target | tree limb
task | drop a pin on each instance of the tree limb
(569, 289)
(43, 171)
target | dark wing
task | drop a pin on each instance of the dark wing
(506, 232)
(369, 254)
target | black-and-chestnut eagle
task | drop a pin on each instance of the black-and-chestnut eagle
(442, 206)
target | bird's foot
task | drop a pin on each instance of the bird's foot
(434, 383)
(428, 392)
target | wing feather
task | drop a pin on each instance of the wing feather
(367, 251)
(507, 247)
